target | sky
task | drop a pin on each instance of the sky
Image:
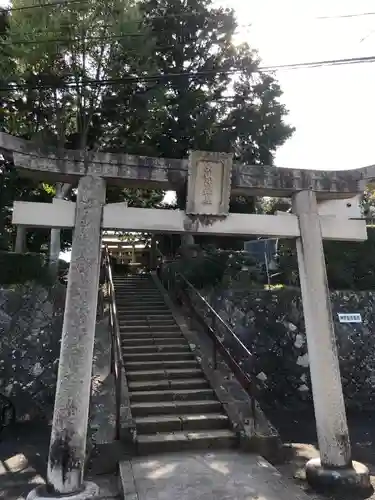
(332, 108)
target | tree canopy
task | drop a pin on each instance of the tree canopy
(149, 77)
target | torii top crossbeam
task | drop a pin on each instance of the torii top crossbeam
(147, 172)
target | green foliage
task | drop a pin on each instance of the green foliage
(212, 267)
(138, 198)
(66, 47)
(176, 113)
(350, 265)
(21, 268)
(70, 47)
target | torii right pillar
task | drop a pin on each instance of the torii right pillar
(335, 468)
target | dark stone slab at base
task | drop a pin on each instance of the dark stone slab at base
(326, 479)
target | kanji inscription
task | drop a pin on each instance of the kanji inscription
(209, 183)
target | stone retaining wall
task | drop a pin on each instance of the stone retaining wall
(271, 325)
(30, 330)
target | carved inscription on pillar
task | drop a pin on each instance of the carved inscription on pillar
(209, 183)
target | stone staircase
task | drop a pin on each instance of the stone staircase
(172, 403)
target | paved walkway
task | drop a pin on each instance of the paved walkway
(205, 476)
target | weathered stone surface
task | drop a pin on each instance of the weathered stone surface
(271, 325)
(30, 331)
(165, 173)
(69, 427)
(209, 183)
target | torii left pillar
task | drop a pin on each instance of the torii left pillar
(69, 429)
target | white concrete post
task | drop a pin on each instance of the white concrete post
(20, 245)
(134, 260)
(62, 191)
(329, 406)
(153, 254)
(68, 439)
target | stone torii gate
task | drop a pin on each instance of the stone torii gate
(325, 205)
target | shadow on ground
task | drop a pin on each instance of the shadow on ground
(23, 458)
(23, 462)
(24, 451)
(298, 433)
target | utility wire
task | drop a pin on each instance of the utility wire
(347, 16)
(99, 38)
(44, 5)
(84, 2)
(197, 74)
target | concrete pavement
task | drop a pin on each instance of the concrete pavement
(205, 476)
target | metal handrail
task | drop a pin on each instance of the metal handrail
(217, 316)
(116, 356)
(242, 377)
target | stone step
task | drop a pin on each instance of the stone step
(137, 282)
(168, 384)
(128, 333)
(140, 304)
(145, 322)
(123, 305)
(125, 311)
(140, 285)
(137, 287)
(150, 334)
(155, 328)
(134, 376)
(153, 348)
(173, 423)
(122, 296)
(145, 316)
(179, 441)
(128, 280)
(133, 277)
(175, 407)
(145, 313)
(132, 298)
(172, 395)
(151, 340)
(157, 356)
(155, 364)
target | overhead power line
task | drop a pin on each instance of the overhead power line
(315, 64)
(45, 5)
(84, 2)
(347, 16)
(197, 74)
